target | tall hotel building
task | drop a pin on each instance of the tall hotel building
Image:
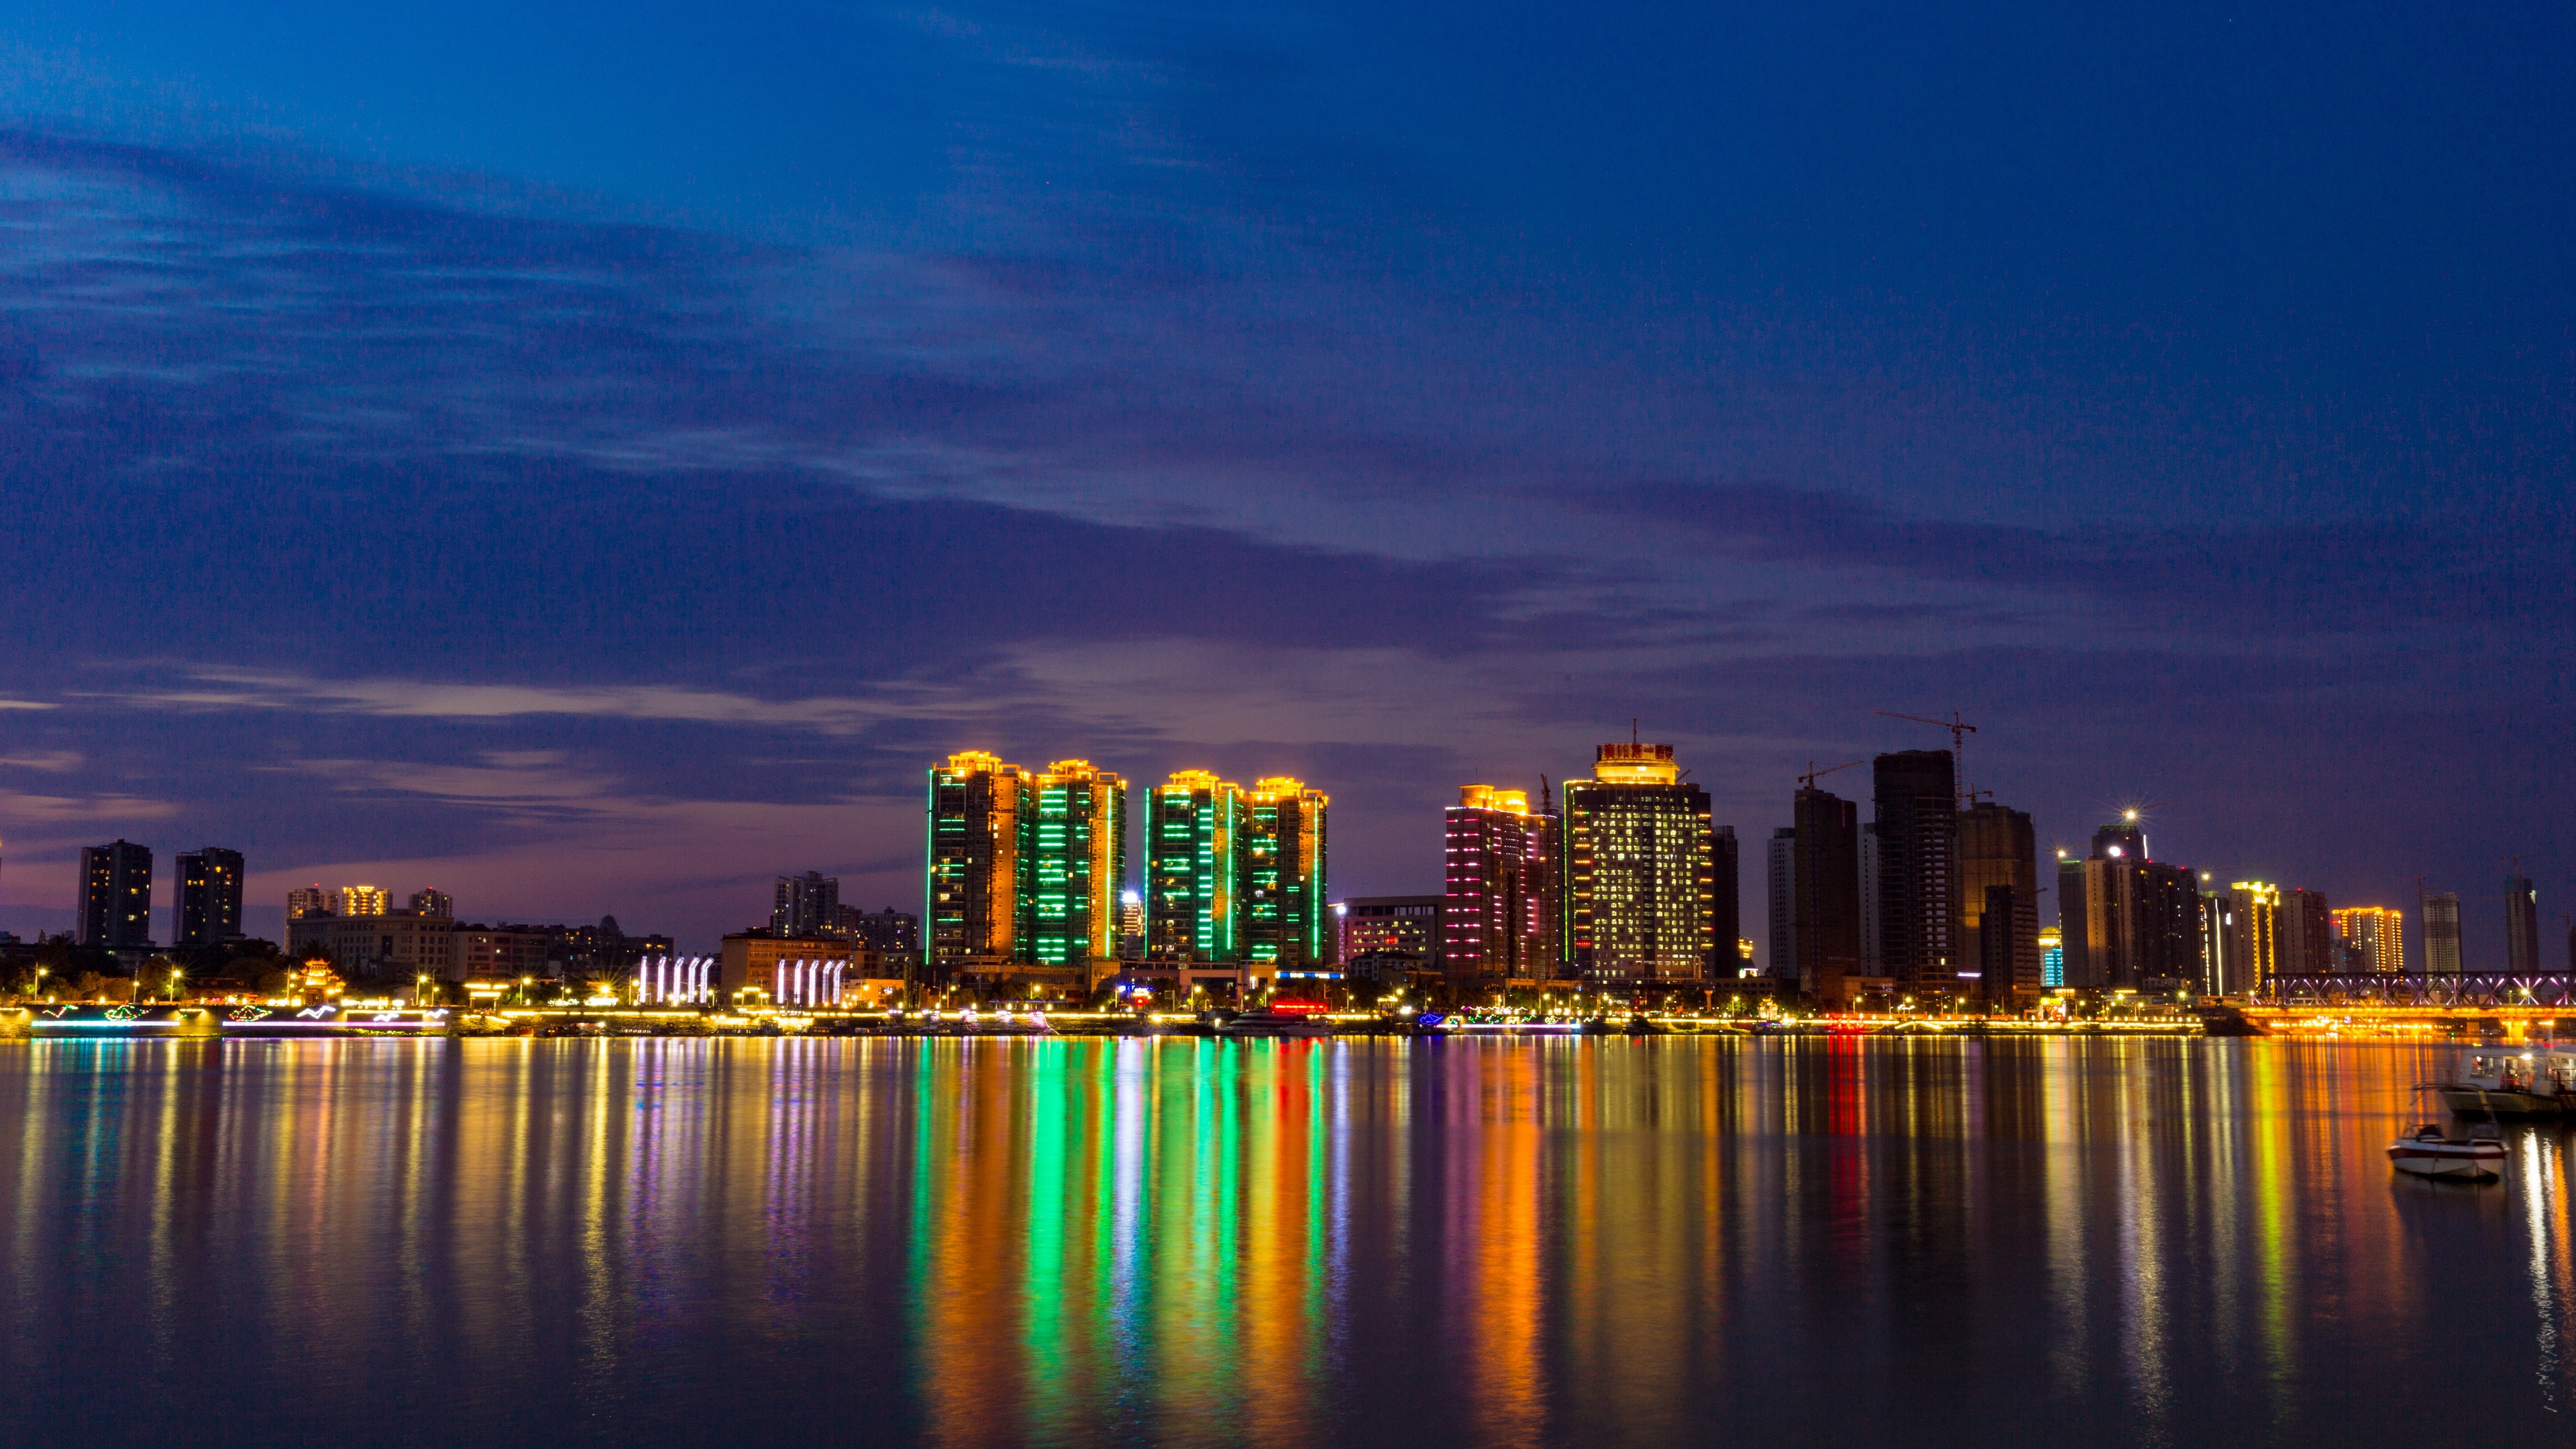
(970, 908)
(1190, 824)
(1075, 858)
(1279, 878)
(2130, 922)
(1498, 919)
(1639, 871)
(2253, 936)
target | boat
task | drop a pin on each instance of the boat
(2502, 1084)
(2428, 1151)
(1272, 1021)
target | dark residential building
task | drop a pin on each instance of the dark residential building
(210, 896)
(1499, 917)
(1917, 797)
(1639, 871)
(2129, 923)
(433, 903)
(116, 896)
(1826, 923)
(2306, 934)
(1781, 890)
(890, 933)
(1997, 848)
(1392, 925)
(2521, 926)
(805, 905)
(1728, 903)
(601, 952)
(2442, 934)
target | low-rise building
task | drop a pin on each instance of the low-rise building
(396, 945)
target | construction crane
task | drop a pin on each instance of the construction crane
(1959, 730)
(1809, 779)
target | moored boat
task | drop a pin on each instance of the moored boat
(2503, 1084)
(2428, 1151)
(1272, 1021)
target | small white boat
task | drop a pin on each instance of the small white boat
(1269, 1022)
(2428, 1151)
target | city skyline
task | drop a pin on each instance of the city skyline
(695, 505)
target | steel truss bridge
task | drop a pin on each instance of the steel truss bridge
(2468, 989)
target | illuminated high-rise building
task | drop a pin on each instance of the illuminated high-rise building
(1726, 902)
(1074, 862)
(2521, 926)
(2442, 934)
(1190, 826)
(1499, 915)
(2253, 934)
(116, 895)
(210, 896)
(975, 876)
(1917, 795)
(2052, 957)
(2374, 939)
(1997, 848)
(1131, 924)
(362, 900)
(1285, 918)
(1639, 872)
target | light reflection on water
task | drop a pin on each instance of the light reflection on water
(1271, 1243)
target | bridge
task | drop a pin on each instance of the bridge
(2474, 989)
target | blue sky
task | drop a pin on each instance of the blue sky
(592, 461)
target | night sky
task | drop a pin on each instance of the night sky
(590, 458)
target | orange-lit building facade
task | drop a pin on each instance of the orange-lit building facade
(1499, 915)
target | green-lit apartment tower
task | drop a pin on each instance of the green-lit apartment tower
(1075, 854)
(1640, 871)
(976, 874)
(1190, 827)
(1280, 875)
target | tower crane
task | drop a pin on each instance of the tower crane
(1809, 779)
(1959, 730)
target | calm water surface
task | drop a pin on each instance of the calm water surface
(1596, 1242)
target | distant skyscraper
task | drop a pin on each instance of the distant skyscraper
(2307, 934)
(1498, 918)
(2052, 957)
(1917, 797)
(1131, 925)
(1826, 926)
(1998, 848)
(2442, 934)
(116, 896)
(2129, 922)
(2521, 926)
(805, 905)
(1727, 865)
(1376, 925)
(2253, 935)
(311, 900)
(2374, 937)
(1640, 870)
(2215, 978)
(1783, 893)
(1280, 878)
(1190, 860)
(890, 933)
(362, 900)
(1075, 858)
(970, 910)
(433, 903)
(1873, 923)
(210, 896)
